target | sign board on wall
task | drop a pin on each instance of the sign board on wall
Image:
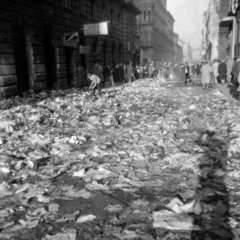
(84, 49)
(70, 39)
(96, 29)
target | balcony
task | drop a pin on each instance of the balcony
(146, 22)
(145, 44)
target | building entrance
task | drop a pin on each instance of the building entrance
(20, 54)
(70, 64)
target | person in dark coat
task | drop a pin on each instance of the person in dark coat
(222, 72)
(145, 71)
(187, 71)
(183, 73)
(198, 69)
(176, 71)
(121, 72)
(235, 71)
(116, 73)
(165, 72)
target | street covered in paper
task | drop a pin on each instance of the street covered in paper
(148, 160)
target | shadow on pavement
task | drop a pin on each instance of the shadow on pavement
(233, 91)
(211, 190)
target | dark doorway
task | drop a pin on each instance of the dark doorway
(50, 60)
(134, 59)
(21, 63)
(105, 53)
(70, 64)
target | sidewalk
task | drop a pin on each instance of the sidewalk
(229, 90)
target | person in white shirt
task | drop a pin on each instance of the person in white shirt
(95, 85)
(206, 71)
(215, 69)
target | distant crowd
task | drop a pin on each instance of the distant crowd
(211, 72)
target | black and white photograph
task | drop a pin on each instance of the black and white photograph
(119, 119)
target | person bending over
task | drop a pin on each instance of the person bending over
(95, 85)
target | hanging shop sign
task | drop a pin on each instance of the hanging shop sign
(70, 39)
(96, 29)
(84, 49)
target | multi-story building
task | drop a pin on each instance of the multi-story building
(155, 27)
(40, 40)
(233, 24)
(178, 51)
(196, 54)
(187, 50)
(218, 31)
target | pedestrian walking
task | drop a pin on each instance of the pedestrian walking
(80, 75)
(222, 72)
(176, 71)
(145, 71)
(165, 72)
(150, 70)
(236, 70)
(121, 72)
(98, 69)
(111, 80)
(140, 71)
(106, 74)
(206, 72)
(198, 69)
(137, 72)
(215, 69)
(115, 73)
(183, 73)
(125, 72)
(187, 72)
(170, 70)
(229, 69)
(129, 72)
(155, 73)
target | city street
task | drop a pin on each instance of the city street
(119, 120)
(148, 160)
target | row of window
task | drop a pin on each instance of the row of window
(81, 7)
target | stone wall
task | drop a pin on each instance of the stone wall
(215, 38)
(32, 52)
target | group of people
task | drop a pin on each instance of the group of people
(211, 72)
(219, 71)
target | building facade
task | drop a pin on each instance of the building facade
(178, 51)
(155, 26)
(187, 50)
(217, 31)
(234, 27)
(33, 47)
(196, 52)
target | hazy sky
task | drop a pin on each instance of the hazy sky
(188, 15)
